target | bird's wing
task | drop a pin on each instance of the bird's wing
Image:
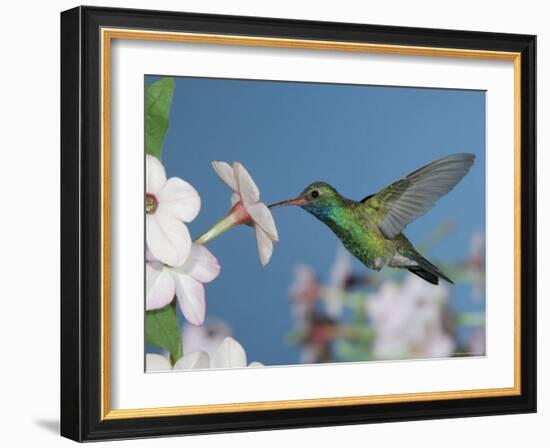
(410, 197)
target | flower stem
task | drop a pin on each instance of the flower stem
(217, 229)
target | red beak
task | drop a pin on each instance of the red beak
(295, 201)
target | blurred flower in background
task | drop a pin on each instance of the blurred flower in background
(340, 276)
(476, 265)
(317, 337)
(409, 320)
(304, 292)
(476, 342)
(360, 316)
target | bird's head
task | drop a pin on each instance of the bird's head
(318, 198)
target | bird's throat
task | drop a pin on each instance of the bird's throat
(321, 212)
(327, 214)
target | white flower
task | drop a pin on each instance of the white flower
(185, 281)
(246, 208)
(156, 363)
(409, 320)
(169, 204)
(159, 363)
(229, 354)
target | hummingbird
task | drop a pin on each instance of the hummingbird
(372, 229)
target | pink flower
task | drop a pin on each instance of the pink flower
(304, 291)
(476, 342)
(476, 265)
(340, 273)
(246, 208)
(185, 281)
(318, 335)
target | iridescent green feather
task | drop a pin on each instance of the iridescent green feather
(371, 229)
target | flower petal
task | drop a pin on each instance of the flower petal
(190, 293)
(155, 176)
(235, 198)
(225, 173)
(194, 360)
(247, 187)
(260, 214)
(229, 354)
(159, 285)
(148, 255)
(156, 363)
(167, 238)
(180, 199)
(201, 264)
(265, 246)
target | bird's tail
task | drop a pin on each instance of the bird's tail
(427, 270)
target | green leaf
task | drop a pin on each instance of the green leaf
(158, 100)
(162, 329)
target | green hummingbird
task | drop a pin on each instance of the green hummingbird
(371, 229)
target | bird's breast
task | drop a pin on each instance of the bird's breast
(362, 239)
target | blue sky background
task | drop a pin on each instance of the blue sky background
(287, 134)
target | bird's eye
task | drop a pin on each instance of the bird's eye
(314, 194)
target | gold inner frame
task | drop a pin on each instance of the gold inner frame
(107, 35)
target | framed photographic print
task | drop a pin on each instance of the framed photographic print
(339, 223)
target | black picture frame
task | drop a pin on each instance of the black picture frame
(81, 224)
